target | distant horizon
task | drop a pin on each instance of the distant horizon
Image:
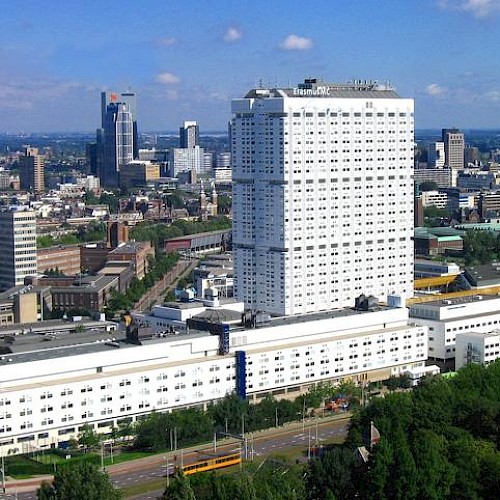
(222, 132)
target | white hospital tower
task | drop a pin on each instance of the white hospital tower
(323, 196)
(323, 213)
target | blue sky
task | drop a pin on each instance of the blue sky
(186, 59)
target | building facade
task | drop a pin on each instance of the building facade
(474, 347)
(186, 160)
(48, 394)
(454, 145)
(17, 247)
(322, 196)
(62, 259)
(189, 135)
(32, 170)
(445, 319)
(436, 155)
(118, 142)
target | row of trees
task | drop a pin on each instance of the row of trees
(440, 441)
(271, 480)
(158, 233)
(95, 231)
(481, 247)
(159, 266)
(231, 414)
(82, 481)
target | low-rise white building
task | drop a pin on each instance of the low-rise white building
(439, 199)
(175, 314)
(447, 318)
(47, 394)
(474, 347)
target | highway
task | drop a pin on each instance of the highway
(312, 432)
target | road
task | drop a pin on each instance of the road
(259, 443)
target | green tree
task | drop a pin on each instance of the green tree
(435, 473)
(82, 481)
(87, 437)
(331, 474)
(179, 488)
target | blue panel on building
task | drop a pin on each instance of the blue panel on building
(241, 374)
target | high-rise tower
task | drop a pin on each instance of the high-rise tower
(322, 195)
(189, 135)
(118, 141)
(454, 145)
(32, 170)
(17, 247)
(129, 98)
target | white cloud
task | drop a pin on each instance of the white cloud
(493, 96)
(167, 78)
(435, 90)
(294, 42)
(232, 35)
(167, 41)
(478, 8)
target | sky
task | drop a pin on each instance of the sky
(187, 59)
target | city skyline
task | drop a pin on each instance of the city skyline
(186, 61)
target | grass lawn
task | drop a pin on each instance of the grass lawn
(138, 489)
(126, 456)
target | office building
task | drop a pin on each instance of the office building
(118, 142)
(436, 155)
(454, 146)
(438, 199)
(223, 160)
(472, 156)
(138, 173)
(130, 99)
(17, 247)
(441, 176)
(189, 135)
(322, 196)
(475, 347)
(31, 170)
(186, 160)
(447, 318)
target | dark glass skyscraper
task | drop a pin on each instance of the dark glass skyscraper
(189, 135)
(118, 141)
(129, 98)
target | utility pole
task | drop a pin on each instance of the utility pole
(215, 442)
(102, 455)
(304, 416)
(309, 445)
(317, 437)
(175, 438)
(276, 416)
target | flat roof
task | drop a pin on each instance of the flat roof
(456, 301)
(33, 347)
(486, 274)
(482, 335)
